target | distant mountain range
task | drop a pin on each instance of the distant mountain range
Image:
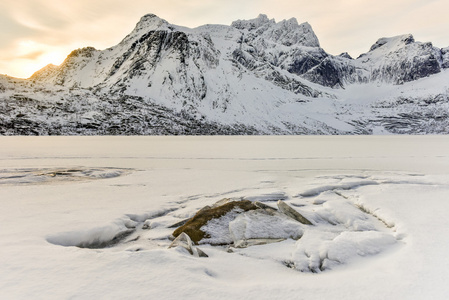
(253, 77)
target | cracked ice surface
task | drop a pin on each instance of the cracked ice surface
(378, 205)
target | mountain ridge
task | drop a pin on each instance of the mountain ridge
(258, 76)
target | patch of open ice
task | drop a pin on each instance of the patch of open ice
(57, 175)
(275, 196)
(344, 186)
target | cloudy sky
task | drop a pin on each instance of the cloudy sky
(37, 32)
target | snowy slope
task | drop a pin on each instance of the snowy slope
(255, 76)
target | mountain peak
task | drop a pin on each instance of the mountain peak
(44, 72)
(149, 22)
(287, 32)
(393, 42)
(252, 24)
(257, 77)
(292, 22)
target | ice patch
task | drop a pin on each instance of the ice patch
(268, 197)
(57, 175)
(345, 186)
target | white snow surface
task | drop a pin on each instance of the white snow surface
(378, 205)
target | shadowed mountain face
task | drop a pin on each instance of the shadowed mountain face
(253, 77)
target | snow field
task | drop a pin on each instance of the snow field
(383, 240)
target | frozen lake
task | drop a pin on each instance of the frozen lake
(276, 153)
(377, 203)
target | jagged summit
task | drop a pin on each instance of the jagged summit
(285, 32)
(252, 24)
(150, 21)
(261, 45)
(345, 55)
(401, 59)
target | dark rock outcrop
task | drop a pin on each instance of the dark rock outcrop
(236, 215)
(193, 227)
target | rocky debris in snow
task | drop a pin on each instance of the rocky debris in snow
(184, 241)
(243, 223)
(292, 213)
(341, 231)
(193, 227)
(255, 242)
(146, 224)
(264, 206)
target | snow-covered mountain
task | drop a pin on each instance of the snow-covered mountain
(253, 77)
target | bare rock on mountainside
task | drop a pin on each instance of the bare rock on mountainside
(255, 76)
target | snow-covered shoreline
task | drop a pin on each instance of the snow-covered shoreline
(402, 180)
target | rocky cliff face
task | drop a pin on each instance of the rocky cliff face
(255, 76)
(400, 59)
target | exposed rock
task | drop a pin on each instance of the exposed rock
(445, 57)
(146, 224)
(193, 227)
(305, 59)
(292, 213)
(242, 223)
(254, 23)
(221, 202)
(255, 242)
(286, 32)
(345, 55)
(178, 224)
(329, 72)
(400, 59)
(183, 240)
(264, 206)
